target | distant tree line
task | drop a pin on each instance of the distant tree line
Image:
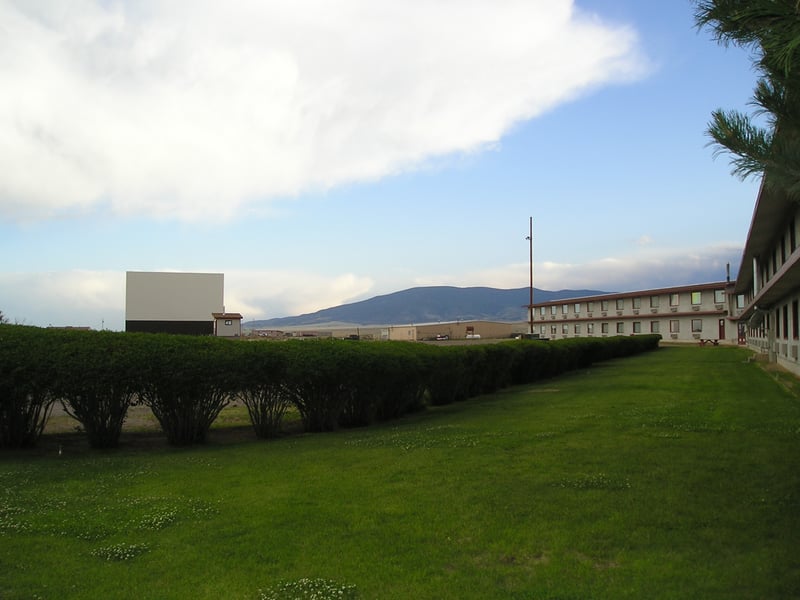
(186, 381)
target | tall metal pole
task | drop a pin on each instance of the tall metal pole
(530, 241)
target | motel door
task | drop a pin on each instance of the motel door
(721, 329)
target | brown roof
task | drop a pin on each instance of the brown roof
(697, 287)
(227, 315)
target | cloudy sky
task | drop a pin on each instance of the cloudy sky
(319, 152)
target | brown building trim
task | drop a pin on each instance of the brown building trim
(648, 316)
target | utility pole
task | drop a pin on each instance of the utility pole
(530, 242)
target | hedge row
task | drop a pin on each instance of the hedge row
(186, 381)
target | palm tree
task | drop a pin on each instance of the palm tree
(771, 30)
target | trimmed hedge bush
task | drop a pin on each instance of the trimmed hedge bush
(186, 381)
(261, 371)
(320, 380)
(99, 378)
(27, 373)
(387, 381)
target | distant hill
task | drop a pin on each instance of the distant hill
(428, 305)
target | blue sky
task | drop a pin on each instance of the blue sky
(318, 157)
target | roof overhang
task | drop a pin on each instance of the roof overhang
(772, 212)
(782, 284)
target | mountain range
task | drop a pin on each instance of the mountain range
(429, 304)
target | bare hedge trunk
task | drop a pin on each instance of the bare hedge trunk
(101, 414)
(266, 405)
(23, 416)
(185, 415)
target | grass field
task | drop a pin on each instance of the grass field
(675, 474)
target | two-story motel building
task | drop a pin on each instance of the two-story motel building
(760, 309)
(769, 279)
(702, 313)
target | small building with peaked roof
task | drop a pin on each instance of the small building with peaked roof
(227, 324)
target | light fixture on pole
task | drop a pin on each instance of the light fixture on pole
(530, 304)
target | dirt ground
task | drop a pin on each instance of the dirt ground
(141, 431)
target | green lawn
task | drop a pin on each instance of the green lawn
(675, 474)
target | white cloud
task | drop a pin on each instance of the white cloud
(97, 298)
(77, 298)
(268, 294)
(195, 109)
(649, 269)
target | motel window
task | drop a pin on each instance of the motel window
(553, 330)
(653, 301)
(228, 322)
(719, 296)
(654, 328)
(620, 327)
(577, 307)
(553, 309)
(674, 326)
(603, 304)
(620, 303)
(577, 328)
(637, 327)
(674, 299)
(697, 325)
(565, 329)
(697, 298)
(604, 327)
(740, 301)
(637, 303)
(590, 306)
(565, 308)
(590, 328)
(542, 310)
(543, 330)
